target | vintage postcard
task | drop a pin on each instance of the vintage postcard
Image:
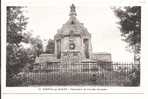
(72, 46)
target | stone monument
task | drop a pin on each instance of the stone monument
(73, 44)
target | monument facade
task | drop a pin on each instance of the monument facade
(73, 44)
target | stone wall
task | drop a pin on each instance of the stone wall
(102, 57)
(43, 58)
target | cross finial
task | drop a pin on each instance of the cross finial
(72, 10)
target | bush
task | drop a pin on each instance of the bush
(17, 80)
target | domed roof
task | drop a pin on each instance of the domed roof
(73, 25)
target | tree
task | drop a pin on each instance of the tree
(130, 27)
(19, 57)
(37, 45)
(16, 24)
(50, 46)
(16, 57)
(34, 50)
(35, 42)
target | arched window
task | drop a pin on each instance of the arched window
(86, 47)
(58, 49)
(72, 22)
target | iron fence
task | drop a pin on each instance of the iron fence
(107, 74)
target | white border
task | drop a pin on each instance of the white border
(120, 90)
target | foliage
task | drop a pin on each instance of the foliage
(50, 46)
(19, 57)
(135, 77)
(16, 60)
(16, 24)
(130, 22)
(36, 46)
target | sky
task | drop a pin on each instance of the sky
(100, 21)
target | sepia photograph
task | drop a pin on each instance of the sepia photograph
(73, 45)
